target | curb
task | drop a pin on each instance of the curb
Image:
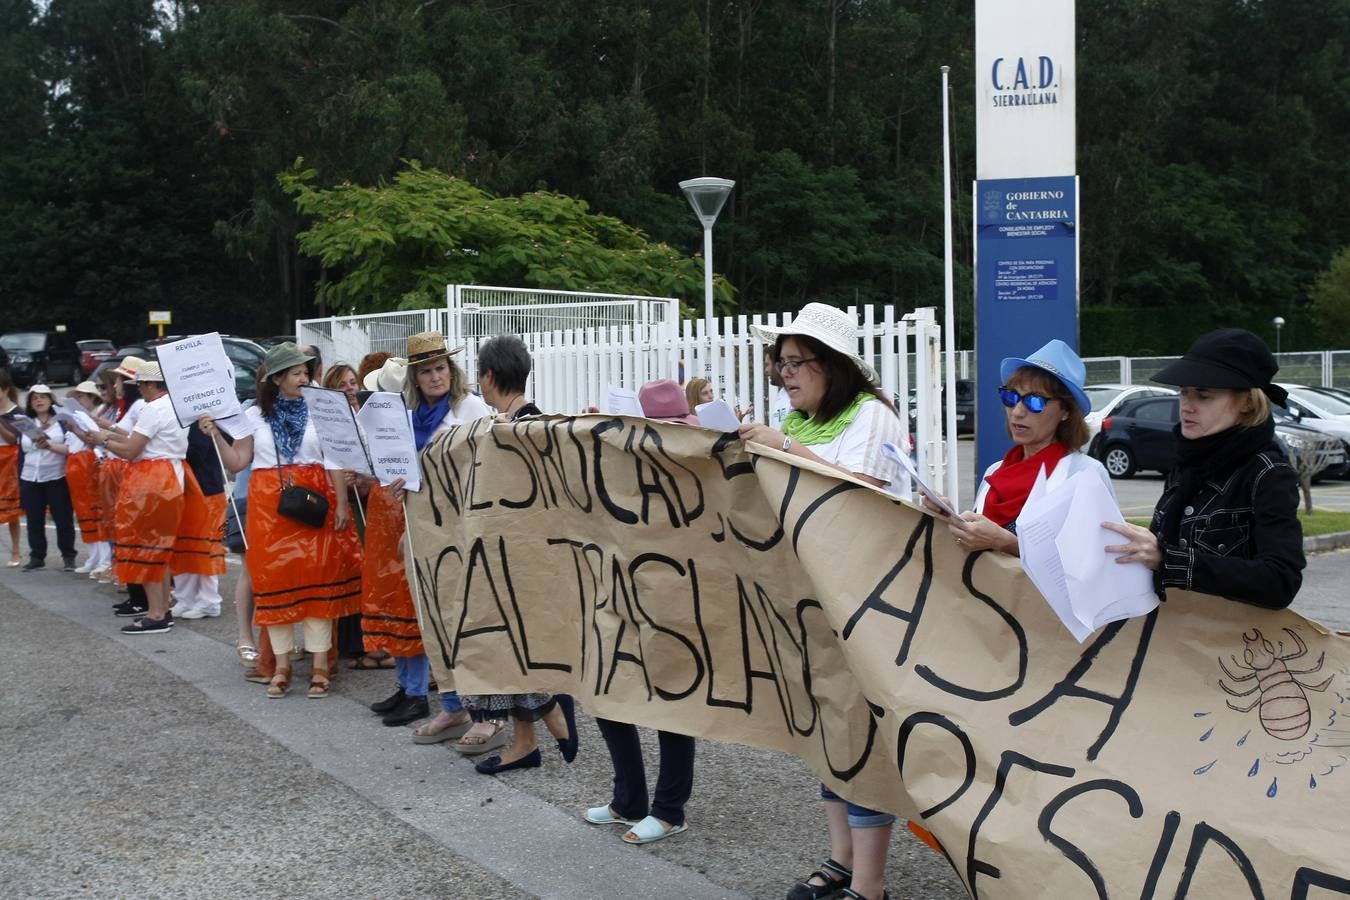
(1334, 541)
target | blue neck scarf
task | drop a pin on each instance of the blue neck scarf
(427, 418)
(288, 421)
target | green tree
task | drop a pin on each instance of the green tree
(397, 245)
(1331, 296)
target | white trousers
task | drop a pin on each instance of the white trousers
(197, 590)
(318, 636)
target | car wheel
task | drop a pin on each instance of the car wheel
(1119, 461)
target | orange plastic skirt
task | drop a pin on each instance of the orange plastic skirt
(388, 620)
(149, 508)
(110, 475)
(10, 510)
(82, 476)
(299, 572)
(199, 548)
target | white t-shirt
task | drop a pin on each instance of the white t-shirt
(265, 447)
(858, 449)
(43, 465)
(779, 407)
(168, 439)
(1069, 466)
(470, 408)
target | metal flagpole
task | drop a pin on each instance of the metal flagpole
(948, 292)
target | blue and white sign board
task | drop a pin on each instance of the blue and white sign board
(1026, 195)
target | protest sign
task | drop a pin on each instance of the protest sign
(666, 576)
(199, 378)
(389, 434)
(335, 423)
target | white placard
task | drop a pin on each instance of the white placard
(389, 433)
(622, 401)
(240, 426)
(199, 378)
(71, 410)
(1025, 82)
(331, 413)
(717, 415)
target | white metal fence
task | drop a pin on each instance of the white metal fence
(1316, 368)
(638, 339)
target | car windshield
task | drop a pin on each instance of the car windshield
(1103, 397)
(95, 345)
(24, 343)
(1326, 401)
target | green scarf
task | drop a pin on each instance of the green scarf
(808, 431)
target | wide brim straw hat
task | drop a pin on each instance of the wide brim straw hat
(129, 366)
(833, 327)
(149, 372)
(1057, 359)
(282, 357)
(426, 346)
(389, 377)
(86, 387)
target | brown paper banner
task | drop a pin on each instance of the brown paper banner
(666, 576)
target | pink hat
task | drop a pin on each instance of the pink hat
(663, 399)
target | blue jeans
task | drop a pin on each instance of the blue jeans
(413, 674)
(858, 816)
(450, 702)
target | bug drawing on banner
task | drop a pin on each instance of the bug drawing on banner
(1282, 696)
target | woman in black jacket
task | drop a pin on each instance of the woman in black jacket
(1227, 521)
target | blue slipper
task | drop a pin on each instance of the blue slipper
(650, 829)
(605, 815)
(493, 765)
(568, 745)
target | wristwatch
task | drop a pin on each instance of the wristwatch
(787, 444)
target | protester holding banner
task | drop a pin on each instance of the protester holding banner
(10, 509)
(503, 369)
(1045, 406)
(150, 502)
(82, 474)
(840, 417)
(42, 482)
(1227, 521)
(121, 418)
(303, 553)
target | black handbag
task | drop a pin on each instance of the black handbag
(301, 504)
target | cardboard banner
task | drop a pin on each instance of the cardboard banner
(335, 423)
(666, 576)
(199, 378)
(389, 435)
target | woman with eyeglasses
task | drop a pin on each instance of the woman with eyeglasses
(1044, 403)
(840, 417)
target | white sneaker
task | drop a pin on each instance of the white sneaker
(86, 568)
(198, 612)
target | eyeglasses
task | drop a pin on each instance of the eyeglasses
(1033, 402)
(790, 366)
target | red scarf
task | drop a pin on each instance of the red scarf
(1011, 482)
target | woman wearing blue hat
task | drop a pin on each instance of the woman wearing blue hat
(1045, 404)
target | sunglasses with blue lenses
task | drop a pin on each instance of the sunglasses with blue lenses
(1035, 403)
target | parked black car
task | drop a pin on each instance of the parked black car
(1139, 435)
(42, 357)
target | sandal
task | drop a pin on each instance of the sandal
(433, 733)
(248, 654)
(252, 674)
(318, 683)
(652, 829)
(281, 681)
(605, 815)
(370, 661)
(475, 744)
(834, 876)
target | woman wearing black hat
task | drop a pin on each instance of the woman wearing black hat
(1227, 521)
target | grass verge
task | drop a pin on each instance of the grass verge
(1319, 521)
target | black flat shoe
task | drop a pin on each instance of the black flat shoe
(493, 765)
(388, 703)
(836, 877)
(568, 745)
(410, 710)
(33, 564)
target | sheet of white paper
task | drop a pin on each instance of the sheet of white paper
(718, 416)
(1037, 528)
(331, 413)
(237, 427)
(199, 378)
(69, 409)
(389, 435)
(622, 401)
(23, 425)
(908, 465)
(1101, 590)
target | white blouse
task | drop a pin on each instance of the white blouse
(43, 465)
(265, 447)
(858, 448)
(471, 407)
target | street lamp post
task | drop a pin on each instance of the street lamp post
(708, 196)
(1278, 322)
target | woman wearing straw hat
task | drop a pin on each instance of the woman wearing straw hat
(303, 573)
(120, 418)
(82, 474)
(150, 502)
(10, 509)
(839, 417)
(42, 482)
(437, 392)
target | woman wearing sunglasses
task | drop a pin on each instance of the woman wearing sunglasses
(1044, 402)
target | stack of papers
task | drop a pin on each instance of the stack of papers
(1063, 547)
